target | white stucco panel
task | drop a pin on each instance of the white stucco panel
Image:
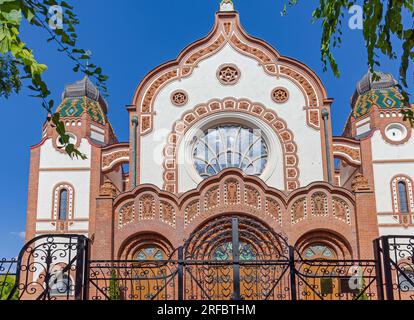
(51, 158)
(382, 150)
(48, 180)
(255, 85)
(383, 175)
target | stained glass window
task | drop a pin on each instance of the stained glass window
(402, 192)
(63, 205)
(230, 146)
(319, 252)
(149, 254)
(224, 252)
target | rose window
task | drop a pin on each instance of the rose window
(280, 95)
(230, 146)
(179, 98)
(228, 74)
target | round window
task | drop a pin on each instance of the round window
(230, 146)
(72, 139)
(396, 132)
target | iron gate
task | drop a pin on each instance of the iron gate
(395, 265)
(47, 268)
(226, 258)
(234, 258)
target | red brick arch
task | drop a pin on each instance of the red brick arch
(231, 192)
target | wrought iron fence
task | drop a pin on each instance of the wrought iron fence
(47, 268)
(395, 265)
(7, 278)
(336, 280)
(212, 280)
(133, 280)
(262, 267)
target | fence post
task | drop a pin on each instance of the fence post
(81, 267)
(236, 258)
(180, 273)
(378, 269)
(292, 270)
(387, 268)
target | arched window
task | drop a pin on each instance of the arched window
(402, 197)
(63, 200)
(63, 204)
(230, 146)
(402, 194)
(150, 253)
(319, 252)
(224, 252)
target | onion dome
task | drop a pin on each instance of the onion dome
(83, 97)
(382, 92)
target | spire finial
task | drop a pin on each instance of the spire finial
(226, 5)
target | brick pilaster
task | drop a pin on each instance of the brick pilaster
(102, 247)
(367, 225)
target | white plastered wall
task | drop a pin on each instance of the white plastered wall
(401, 155)
(255, 85)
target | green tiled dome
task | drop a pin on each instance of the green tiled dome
(80, 97)
(382, 92)
(75, 107)
(382, 98)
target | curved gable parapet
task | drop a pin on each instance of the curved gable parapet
(348, 150)
(228, 30)
(233, 191)
(115, 155)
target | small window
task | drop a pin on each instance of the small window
(402, 193)
(63, 204)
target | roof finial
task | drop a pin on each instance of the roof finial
(226, 5)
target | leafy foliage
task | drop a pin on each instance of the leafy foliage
(383, 30)
(114, 288)
(9, 77)
(6, 286)
(17, 61)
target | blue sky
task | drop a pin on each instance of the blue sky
(129, 38)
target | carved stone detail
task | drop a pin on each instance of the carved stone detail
(273, 210)
(212, 199)
(231, 192)
(147, 207)
(280, 95)
(126, 214)
(191, 211)
(299, 210)
(319, 203)
(108, 189)
(341, 210)
(252, 197)
(360, 183)
(303, 82)
(228, 74)
(352, 154)
(179, 98)
(167, 213)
